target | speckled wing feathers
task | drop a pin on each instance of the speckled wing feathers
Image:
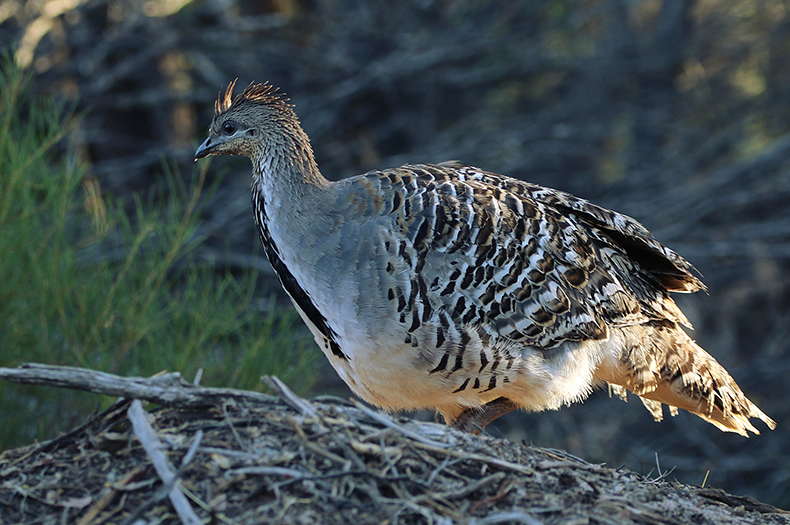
(486, 251)
(674, 272)
(482, 267)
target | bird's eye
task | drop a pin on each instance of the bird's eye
(229, 128)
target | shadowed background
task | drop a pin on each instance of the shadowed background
(674, 112)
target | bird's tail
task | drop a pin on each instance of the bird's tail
(661, 364)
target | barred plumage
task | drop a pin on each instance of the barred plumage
(449, 287)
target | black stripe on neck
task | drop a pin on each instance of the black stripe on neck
(288, 281)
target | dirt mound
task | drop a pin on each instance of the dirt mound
(229, 456)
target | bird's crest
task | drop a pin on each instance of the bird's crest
(263, 93)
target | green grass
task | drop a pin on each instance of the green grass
(84, 283)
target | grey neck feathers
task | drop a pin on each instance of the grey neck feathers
(286, 162)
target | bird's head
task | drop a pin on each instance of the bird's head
(246, 123)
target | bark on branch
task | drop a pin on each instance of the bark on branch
(166, 389)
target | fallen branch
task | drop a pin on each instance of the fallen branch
(166, 389)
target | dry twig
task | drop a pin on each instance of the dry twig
(153, 447)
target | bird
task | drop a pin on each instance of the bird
(447, 287)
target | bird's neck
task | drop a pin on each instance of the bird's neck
(287, 164)
(287, 184)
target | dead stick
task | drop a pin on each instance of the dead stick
(388, 422)
(153, 447)
(168, 389)
(289, 396)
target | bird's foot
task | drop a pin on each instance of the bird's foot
(474, 420)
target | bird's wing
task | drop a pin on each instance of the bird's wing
(673, 271)
(521, 261)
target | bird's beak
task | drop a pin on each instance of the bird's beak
(205, 149)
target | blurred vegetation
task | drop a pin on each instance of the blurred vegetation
(83, 283)
(676, 112)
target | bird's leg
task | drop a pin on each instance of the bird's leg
(474, 420)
